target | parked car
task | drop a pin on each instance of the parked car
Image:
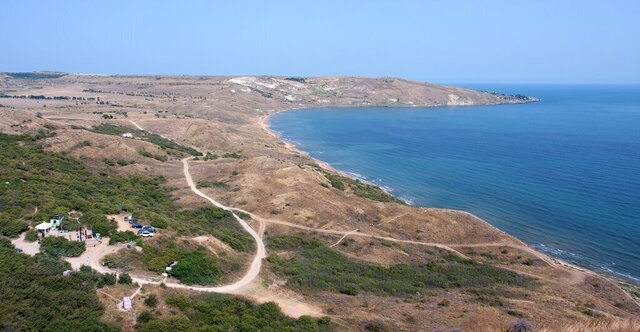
(148, 228)
(127, 218)
(136, 225)
(145, 233)
(131, 219)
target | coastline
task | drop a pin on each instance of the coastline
(616, 280)
(263, 122)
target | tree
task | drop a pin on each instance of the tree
(125, 279)
(151, 301)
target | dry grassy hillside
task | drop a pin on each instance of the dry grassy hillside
(249, 168)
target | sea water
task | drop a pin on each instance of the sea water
(562, 174)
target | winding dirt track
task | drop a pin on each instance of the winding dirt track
(256, 264)
(136, 125)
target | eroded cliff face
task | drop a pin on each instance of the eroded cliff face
(355, 91)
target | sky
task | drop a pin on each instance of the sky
(544, 41)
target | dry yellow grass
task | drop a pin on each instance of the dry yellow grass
(219, 115)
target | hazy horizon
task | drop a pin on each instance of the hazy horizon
(488, 42)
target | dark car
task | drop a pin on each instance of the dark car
(136, 225)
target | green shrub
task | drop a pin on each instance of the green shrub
(59, 246)
(32, 285)
(159, 255)
(123, 162)
(215, 221)
(125, 279)
(178, 301)
(143, 152)
(99, 223)
(151, 301)
(31, 235)
(317, 267)
(376, 326)
(196, 268)
(289, 242)
(56, 183)
(120, 260)
(12, 228)
(358, 187)
(211, 184)
(515, 313)
(273, 258)
(70, 225)
(296, 79)
(108, 279)
(228, 313)
(120, 237)
(5, 243)
(210, 156)
(232, 155)
(349, 290)
(158, 140)
(158, 223)
(487, 296)
(83, 144)
(108, 161)
(144, 317)
(335, 181)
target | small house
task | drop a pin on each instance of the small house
(44, 228)
(56, 221)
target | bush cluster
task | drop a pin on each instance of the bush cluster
(120, 237)
(228, 313)
(57, 184)
(196, 268)
(59, 246)
(358, 187)
(316, 266)
(163, 143)
(35, 296)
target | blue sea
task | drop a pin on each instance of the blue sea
(562, 174)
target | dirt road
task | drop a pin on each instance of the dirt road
(256, 263)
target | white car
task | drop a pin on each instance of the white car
(145, 233)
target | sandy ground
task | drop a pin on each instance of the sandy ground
(290, 303)
(94, 254)
(29, 248)
(123, 225)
